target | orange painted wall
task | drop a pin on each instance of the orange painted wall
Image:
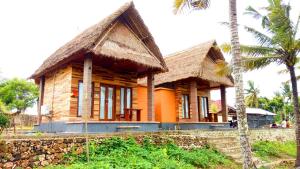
(142, 102)
(165, 105)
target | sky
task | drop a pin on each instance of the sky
(32, 30)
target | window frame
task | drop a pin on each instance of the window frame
(205, 114)
(92, 104)
(125, 98)
(185, 98)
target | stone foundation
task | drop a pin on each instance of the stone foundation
(30, 151)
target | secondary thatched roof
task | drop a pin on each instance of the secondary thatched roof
(196, 62)
(96, 40)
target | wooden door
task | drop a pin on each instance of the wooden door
(107, 102)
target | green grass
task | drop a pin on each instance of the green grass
(268, 150)
(119, 153)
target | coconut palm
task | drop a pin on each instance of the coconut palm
(279, 45)
(252, 95)
(179, 5)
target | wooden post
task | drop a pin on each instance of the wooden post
(150, 95)
(41, 98)
(87, 96)
(223, 103)
(193, 101)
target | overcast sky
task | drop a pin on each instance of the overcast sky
(32, 30)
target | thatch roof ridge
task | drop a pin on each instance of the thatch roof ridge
(87, 41)
(192, 48)
(189, 63)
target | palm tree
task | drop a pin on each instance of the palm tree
(237, 71)
(279, 45)
(252, 95)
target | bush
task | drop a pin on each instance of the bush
(4, 122)
(119, 153)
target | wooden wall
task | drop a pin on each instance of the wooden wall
(101, 76)
(183, 87)
(57, 93)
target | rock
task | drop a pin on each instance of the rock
(42, 157)
(8, 165)
(44, 163)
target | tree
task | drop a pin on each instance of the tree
(4, 118)
(18, 94)
(252, 95)
(280, 45)
(237, 71)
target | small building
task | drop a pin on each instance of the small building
(182, 95)
(256, 117)
(259, 117)
(93, 78)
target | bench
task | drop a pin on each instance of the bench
(217, 126)
(127, 128)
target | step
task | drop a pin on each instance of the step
(236, 149)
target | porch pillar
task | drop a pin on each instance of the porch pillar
(150, 95)
(223, 103)
(193, 101)
(87, 87)
(41, 98)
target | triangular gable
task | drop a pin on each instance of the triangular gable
(120, 41)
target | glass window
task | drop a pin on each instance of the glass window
(125, 98)
(110, 103)
(122, 99)
(185, 106)
(204, 106)
(80, 98)
(102, 102)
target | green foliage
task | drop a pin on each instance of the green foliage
(119, 153)
(18, 94)
(268, 150)
(252, 93)
(3, 108)
(4, 122)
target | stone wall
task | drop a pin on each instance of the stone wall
(33, 152)
(255, 134)
(28, 152)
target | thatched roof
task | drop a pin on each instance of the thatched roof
(133, 43)
(196, 62)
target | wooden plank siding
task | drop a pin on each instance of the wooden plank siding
(101, 76)
(57, 93)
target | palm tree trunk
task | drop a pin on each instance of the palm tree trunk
(239, 91)
(296, 111)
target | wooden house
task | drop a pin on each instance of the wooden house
(182, 95)
(94, 77)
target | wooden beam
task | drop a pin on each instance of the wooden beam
(41, 98)
(193, 101)
(87, 87)
(150, 95)
(223, 103)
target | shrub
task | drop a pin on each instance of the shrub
(4, 122)
(126, 153)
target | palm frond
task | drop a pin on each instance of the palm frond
(179, 5)
(283, 71)
(223, 68)
(257, 50)
(262, 39)
(251, 63)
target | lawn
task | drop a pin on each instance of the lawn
(120, 153)
(270, 150)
